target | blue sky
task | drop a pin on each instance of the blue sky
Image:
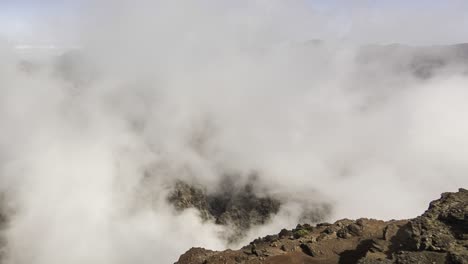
(367, 20)
(19, 19)
(26, 8)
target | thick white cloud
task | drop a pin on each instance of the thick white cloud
(75, 156)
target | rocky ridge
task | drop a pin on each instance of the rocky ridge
(240, 209)
(440, 235)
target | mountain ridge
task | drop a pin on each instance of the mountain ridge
(439, 235)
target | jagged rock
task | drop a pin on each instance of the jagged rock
(185, 196)
(438, 236)
(307, 249)
(285, 233)
(421, 257)
(442, 227)
(239, 205)
(196, 255)
(241, 208)
(354, 229)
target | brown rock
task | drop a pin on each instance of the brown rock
(437, 237)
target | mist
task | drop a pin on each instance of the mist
(94, 136)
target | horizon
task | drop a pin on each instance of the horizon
(376, 22)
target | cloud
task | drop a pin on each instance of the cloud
(168, 90)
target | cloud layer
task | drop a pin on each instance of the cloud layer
(167, 90)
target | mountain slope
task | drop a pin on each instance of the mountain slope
(440, 235)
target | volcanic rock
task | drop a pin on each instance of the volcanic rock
(438, 236)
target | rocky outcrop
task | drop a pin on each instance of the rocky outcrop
(440, 235)
(240, 208)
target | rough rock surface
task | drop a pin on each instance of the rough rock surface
(440, 235)
(240, 208)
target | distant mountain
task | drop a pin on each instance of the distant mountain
(421, 61)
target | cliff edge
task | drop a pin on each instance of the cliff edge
(440, 235)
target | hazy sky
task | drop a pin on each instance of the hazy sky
(382, 21)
